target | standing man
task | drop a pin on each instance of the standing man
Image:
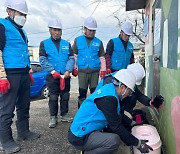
(89, 55)
(56, 57)
(14, 76)
(104, 110)
(119, 51)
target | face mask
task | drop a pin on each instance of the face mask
(20, 20)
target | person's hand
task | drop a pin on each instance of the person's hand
(31, 79)
(143, 147)
(55, 75)
(102, 74)
(66, 74)
(62, 83)
(108, 71)
(75, 72)
(4, 85)
(157, 101)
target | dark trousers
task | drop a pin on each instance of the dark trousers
(86, 80)
(18, 96)
(100, 142)
(55, 92)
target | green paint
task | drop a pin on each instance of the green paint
(166, 4)
(169, 88)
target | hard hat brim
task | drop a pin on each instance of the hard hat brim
(26, 13)
(55, 27)
(90, 28)
(128, 33)
(138, 83)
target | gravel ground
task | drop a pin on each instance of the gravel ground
(52, 141)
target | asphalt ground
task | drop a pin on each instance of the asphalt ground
(54, 140)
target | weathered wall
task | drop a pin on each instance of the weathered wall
(169, 115)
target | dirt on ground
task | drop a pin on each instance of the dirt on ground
(52, 140)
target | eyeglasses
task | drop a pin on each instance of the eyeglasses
(130, 92)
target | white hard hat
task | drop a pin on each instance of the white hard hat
(18, 5)
(90, 23)
(55, 23)
(126, 77)
(138, 70)
(127, 28)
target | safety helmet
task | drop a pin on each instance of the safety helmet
(18, 5)
(90, 23)
(138, 70)
(126, 77)
(55, 23)
(127, 28)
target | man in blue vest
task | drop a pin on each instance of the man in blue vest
(89, 59)
(119, 50)
(56, 57)
(14, 76)
(100, 109)
(128, 104)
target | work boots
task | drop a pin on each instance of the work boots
(8, 143)
(23, 132)
(1, 148)
(53, 121)
(66, 118)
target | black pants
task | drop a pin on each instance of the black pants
(18, 96)
(86, 80)
(54, 92)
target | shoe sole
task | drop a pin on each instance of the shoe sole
(66, 120)
(9, 152)
(1, 149)
(29, 139)
(52, 126)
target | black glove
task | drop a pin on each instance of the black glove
(157, 102)
(143, 147)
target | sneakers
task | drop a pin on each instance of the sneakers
(11, 147)
(65, 118)
(53, 122)
(1, 148)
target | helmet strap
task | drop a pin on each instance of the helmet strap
(120, 84)
(124, 92)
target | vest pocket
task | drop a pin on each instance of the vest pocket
(81, 62)
(95, 63)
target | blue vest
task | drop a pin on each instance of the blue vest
(101, 82)
(15, 53)
(89, 117)
(120, 58)
(58, 59)
(88, 55)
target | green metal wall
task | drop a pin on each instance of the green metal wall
(170, 88)
(169, 77)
